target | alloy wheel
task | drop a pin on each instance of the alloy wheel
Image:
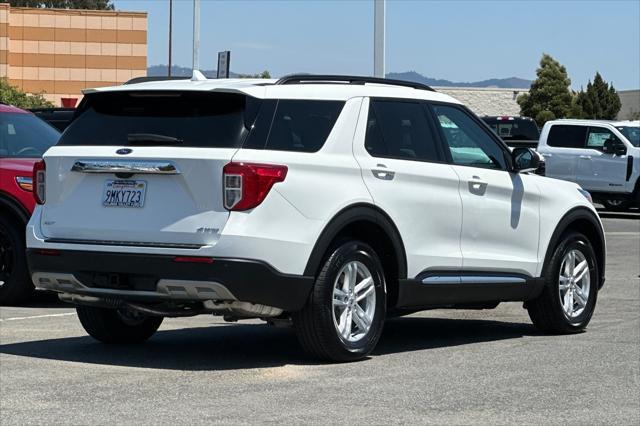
(574, 283)
(354, 301)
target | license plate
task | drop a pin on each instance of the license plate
(124, 193)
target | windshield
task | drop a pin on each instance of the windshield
(632, 134)
(514, 129)
(192, 119)
(25, 136)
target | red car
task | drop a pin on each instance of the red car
(23, 140)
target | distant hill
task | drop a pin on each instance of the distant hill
(507, 83)
(158, 70)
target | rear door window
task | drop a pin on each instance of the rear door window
(400, 129)
(566, 136)
(193, 119)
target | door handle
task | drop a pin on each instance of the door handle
(585, 157)
(477, 185)
(547, 155)
(383, 174)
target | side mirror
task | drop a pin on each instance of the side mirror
(614, 146)
(525, 160)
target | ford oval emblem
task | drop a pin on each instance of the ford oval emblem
(124, 151)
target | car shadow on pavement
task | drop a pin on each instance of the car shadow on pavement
(242, 346)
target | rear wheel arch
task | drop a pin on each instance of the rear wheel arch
(371, 225)
(584, 221)
(13, 210)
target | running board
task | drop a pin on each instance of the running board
(443, 290)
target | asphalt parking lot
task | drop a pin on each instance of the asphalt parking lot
(454, 367)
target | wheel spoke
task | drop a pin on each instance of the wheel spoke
(579, 269)
(366, 293)
(352, 271)
(363, 285)
(363, 317)
(563, 283)
(567, 303)
(358, 320)
(581, 300)
(348, 323)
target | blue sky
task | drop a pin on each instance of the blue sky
(456, 40)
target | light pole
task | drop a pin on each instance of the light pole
(170, 32)
(378, 38)
(196, 35)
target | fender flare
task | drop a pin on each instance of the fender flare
(579, 213)
(351, 214)
(14, 207)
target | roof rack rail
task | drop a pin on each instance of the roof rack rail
(349, 79)
(155, 78)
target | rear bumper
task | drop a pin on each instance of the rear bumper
(141, 277)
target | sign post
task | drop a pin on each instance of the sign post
(224, 60)
(378, 38)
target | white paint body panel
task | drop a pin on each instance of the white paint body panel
(442, 224)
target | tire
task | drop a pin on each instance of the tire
(112, 326)
(16, 284)
(617, 205)
(317, 323)
(546, 311)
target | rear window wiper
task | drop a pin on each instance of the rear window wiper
(152, 138)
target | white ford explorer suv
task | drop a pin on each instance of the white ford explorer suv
(327, 202)
(603, 157)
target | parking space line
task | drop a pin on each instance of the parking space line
(37, 316)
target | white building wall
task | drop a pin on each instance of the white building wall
(486, 101)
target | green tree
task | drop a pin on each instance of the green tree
(600, 100)
(549, 97)
(65, 4)
(12, 96)
(263, 74)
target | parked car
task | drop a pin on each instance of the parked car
(23, 140)
(603, 157)
(57, 117)
(515, 131)
(326, 201)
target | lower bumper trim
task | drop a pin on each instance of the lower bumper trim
(140, 277)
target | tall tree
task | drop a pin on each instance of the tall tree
(549, 97)
(599, 101)
(65, 4)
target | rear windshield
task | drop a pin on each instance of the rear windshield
(192, 119)
(25, 136)
(514, 129)
(631, 133)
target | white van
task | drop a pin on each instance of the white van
(601, 156)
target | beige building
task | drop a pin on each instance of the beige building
(487, 100)
(59, 52)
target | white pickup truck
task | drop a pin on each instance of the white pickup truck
(601, 156)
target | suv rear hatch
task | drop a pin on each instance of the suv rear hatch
(145, 168)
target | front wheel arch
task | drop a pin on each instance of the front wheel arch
(585, 221)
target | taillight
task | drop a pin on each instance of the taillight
(246, 185)
(39, 169)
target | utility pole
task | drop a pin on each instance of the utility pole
(196, 35)
(378, 38)
(170, 32)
